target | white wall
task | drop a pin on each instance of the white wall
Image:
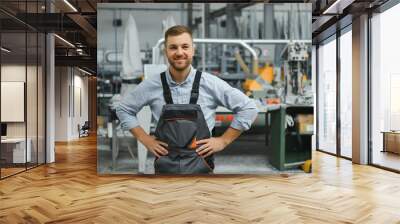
(14, 73)
(70, 83)
(61, 103)
(79, 117)
(33, 125)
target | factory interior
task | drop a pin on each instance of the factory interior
(270, 62)
(324, 147)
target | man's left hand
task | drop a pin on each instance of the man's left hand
(210, 146)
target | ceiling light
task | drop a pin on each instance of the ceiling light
(337, 7)
(70, 5)
(326, 11)
(84, 71)
(79, 51)
(5, 49)
(65, 41)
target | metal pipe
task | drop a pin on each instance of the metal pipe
(155, 51)
(264, 41)
(243, 65)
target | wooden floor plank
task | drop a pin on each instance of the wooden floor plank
(70, 191)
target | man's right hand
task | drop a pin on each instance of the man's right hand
(158, 148)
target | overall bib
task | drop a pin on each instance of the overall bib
(180, 125)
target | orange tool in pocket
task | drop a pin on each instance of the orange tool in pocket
(193, 144)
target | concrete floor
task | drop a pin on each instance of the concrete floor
(247, 155)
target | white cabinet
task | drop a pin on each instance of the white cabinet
(18, 149)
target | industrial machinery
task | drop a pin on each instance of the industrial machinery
(296, 73)
(238, 62)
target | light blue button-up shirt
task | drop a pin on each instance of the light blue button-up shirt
(213, 92)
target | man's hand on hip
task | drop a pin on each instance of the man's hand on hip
(213, 145)
(210, 146)
(158, 148)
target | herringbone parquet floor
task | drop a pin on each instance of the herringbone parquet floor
(70, 191)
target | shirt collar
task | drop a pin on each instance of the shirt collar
(189, 78)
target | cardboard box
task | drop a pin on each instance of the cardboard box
(305, 123)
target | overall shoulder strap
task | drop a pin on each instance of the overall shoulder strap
(166, 90)
(194, 95)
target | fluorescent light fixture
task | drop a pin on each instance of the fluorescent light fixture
(70, 5)
(5, 49)
(65, 41)
(84, 71)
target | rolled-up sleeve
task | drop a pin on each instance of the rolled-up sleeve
(130, 105)
(244, 109)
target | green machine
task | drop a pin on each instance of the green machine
(289, 133)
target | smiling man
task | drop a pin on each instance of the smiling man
(183, 101)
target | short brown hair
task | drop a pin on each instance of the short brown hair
(175, 31)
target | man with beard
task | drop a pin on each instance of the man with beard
(183, 101)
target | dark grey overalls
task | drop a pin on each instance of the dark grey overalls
(180, 125)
